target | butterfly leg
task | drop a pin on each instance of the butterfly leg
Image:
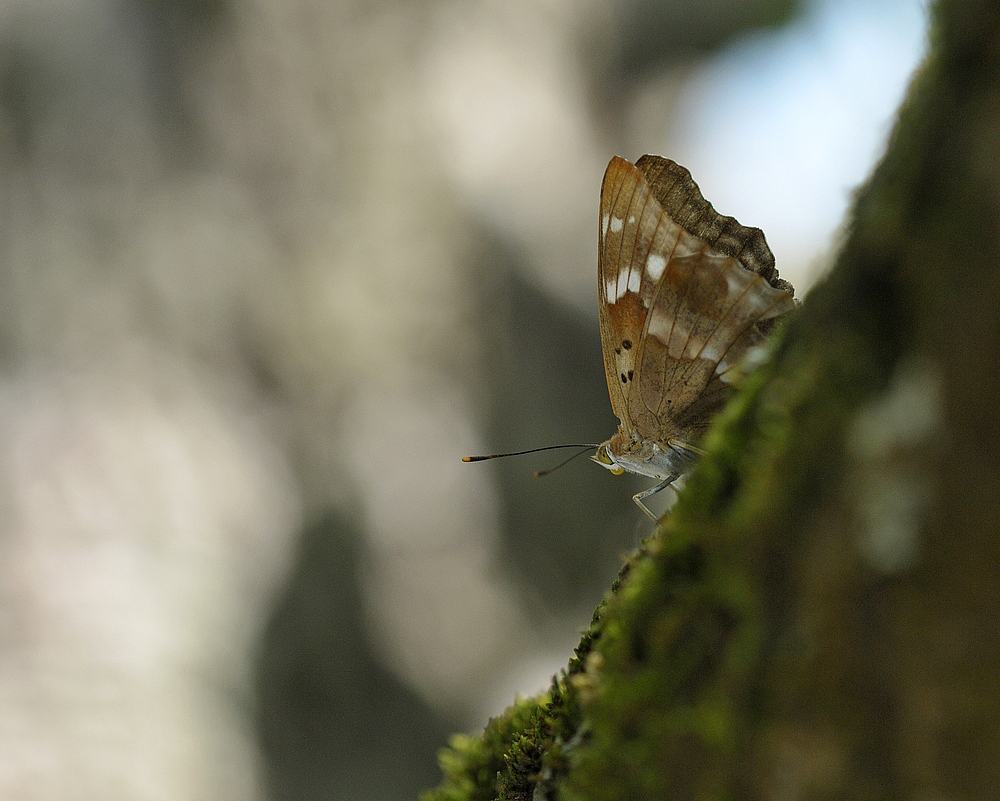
(639, 497)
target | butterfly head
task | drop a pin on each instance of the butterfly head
(604, 458)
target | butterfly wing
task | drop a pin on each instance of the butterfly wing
(705, 316)
(676, 315)
(682, 200)
(630, 220)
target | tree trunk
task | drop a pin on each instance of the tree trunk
(819, 615)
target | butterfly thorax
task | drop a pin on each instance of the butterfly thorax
(645, 456)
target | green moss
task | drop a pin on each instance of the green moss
(528, 746)
(475, 765)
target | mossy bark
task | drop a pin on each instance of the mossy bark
(819, 616)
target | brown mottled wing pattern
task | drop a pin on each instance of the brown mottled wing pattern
(680, 197)
(682, 200)
(696, 309)
(630, 219)
(703, 320)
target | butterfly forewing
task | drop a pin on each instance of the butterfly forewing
(635, 241)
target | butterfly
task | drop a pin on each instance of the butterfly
(684, 292)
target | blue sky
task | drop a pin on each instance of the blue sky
(780, 127)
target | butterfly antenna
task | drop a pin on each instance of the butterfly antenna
(540, 473)
(585, 446)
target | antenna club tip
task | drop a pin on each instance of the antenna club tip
(466, 458)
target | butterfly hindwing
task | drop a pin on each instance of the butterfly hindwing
(682, 200)
(703, 320)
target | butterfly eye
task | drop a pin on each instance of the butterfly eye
(603, 458)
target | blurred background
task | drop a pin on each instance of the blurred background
(268, 269)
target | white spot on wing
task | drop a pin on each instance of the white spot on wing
(725, 376)
(631, 219)
(604, 224)
(609, 290)
(616, 224)
(724, 368)
(737, 281)
(634, 279)
(622, 282)
(665, 328)
(655, 265)
(712, 351)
